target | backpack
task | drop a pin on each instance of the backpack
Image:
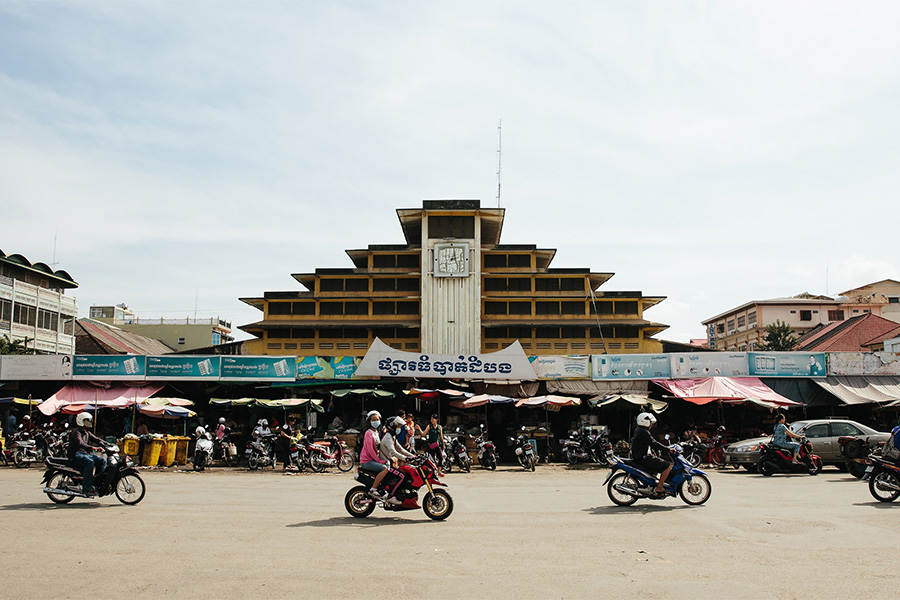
(892, 446)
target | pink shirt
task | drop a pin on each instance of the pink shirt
(369, 450)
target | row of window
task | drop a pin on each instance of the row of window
(362, 333)
(344, 333)
(563, 307)
(491, 284)
(30, 316)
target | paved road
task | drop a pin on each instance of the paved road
(549, 534)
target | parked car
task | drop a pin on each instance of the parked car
(822, 433)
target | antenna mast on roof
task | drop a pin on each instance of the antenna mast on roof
(499, 158)
(55, 262)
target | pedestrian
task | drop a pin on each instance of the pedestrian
(434, 441)
(412, 429)
(11, 423)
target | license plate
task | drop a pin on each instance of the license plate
(247, 451)
(869, 469)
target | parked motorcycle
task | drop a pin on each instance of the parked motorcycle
(203, 449)
(858, 451)
(524, 450)
(627, 482)
(586, 446)
(457, 453)
(419, 472)
(62, 479)
(329, 452)
(780, 460)
(487, 455)
(884, 479)
(226, 449)
(26, 449)
(261, 452)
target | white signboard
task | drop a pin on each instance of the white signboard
(630, 366)
(561, 367)
(383, 361)
(52, 367)
(709, 364)
(863, 363)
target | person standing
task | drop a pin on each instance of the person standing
(434, 441)
(411, 429)
(284, 442)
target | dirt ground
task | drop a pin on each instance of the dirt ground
(513, 534)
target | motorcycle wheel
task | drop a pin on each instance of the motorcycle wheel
(765, 468)
(448, 465)
(60, 481)
(696, 491)
(253, 462)
(130, 489)
(232, 461)
(437, 505)
(856, 469)
(571, 457)
(815, 466)
(694, 458)
(199, 462)
(19, 460)
(467, 465)
(493, 464)
(717, 457)
(621, 498)
(315, 463)
(358, 502)
(531, 462)
(885, 478)
(346, 462)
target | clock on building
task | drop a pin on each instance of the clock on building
(451, 260)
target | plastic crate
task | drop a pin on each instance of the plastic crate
(152, 449)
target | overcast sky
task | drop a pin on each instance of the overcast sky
(189, 153)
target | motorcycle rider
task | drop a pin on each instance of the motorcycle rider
(262, 429)
(781, 435)
(81, 452)
(641, 444)
(368, 456)
(392, 450)
(220, 429)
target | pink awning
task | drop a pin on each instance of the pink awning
(726, 389)
(83, 394)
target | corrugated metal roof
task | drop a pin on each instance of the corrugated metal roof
(118, 341)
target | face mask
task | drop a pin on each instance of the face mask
(398, 430)
(376, 424)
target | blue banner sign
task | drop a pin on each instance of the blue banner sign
(688, 365)
(344, 367)
(109, 366)
(787, 364)
(183, 367)
(258, 368)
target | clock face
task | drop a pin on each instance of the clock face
(451, 260)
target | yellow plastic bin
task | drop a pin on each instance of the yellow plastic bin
(152, 449)
(167, 456)
(129, 446)
(181, 450)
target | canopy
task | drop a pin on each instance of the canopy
(863, 390)
(82, 394)
(628, 401)
(584, 387)
(24, 401)
(166, 402)
(549, 399)
(232, 401)
(726, 389)
(163, 411)
(362, 392)
(481, 400)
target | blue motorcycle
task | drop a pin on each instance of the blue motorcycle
(627, 482)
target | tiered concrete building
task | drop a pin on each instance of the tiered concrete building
(452, 288)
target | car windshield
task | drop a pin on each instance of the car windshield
(795, 427)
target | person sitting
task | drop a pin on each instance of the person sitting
(81, 452)
(368, 456)
(781, 435)
(891, 450)
(642, 443)
(392, 450)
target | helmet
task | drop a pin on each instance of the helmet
(395, 422)
(84, 417)
(221, 419)
(372, 412)
(264, 423)
(26, 418)
(645, 419)
(199, 431)
(721, 429)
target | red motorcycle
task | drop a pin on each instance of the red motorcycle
(328, 452)
(775, 459)
(419, 472)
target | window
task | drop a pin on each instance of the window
(893, 299)
(304, 333)
(546, 284)
(603, 308)
(520, 308)
(276, 334)
(606, 331)
(495, 308)
(816, 431)
(751, 318)
(627, 331)
(331, 285)
(304, 308)
(356, 308)
(519, 261)
(503, 284)
(572, 332)
(408, 284)
(571, 284)
(806, 315)
(503, 261)
(47, 320)
(181, 341)
(741, 321)
(356, 285)
(5, 310)
(546, 308)
(440, 227)
(572, 308)
(407, 308)
(384, 284)
(331, 308)
(720, 328)
(546, 332)
(838, 429)
(24, 315)
(408, 261)
(216, 338)
(730, 325)
(626, 308)
(835, 315)
(395, 261)
(279, 308)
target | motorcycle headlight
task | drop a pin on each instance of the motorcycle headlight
(519, 451)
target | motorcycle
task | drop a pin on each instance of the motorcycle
(487, 455)
(627, 482)
(780, 460)
(330, 452)
(26, 449)
(62, 479)
(203, 450)
(226, 449)
(884, 479)
(586, 447)
(457, 453)
(261, 452)
(524, 450)
(419, 472)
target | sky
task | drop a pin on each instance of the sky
(176, 156)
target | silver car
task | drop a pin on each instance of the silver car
(822, 433)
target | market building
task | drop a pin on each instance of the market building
(34, 306)
(452, 287)
(179, 334)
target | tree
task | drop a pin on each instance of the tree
(8, 346)
(779, 337)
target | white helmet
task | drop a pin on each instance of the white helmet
(264, 423)
(199, 431)
(645, 419)
(395, 422)
(84, 417)
(372, 412)
(221, 419)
